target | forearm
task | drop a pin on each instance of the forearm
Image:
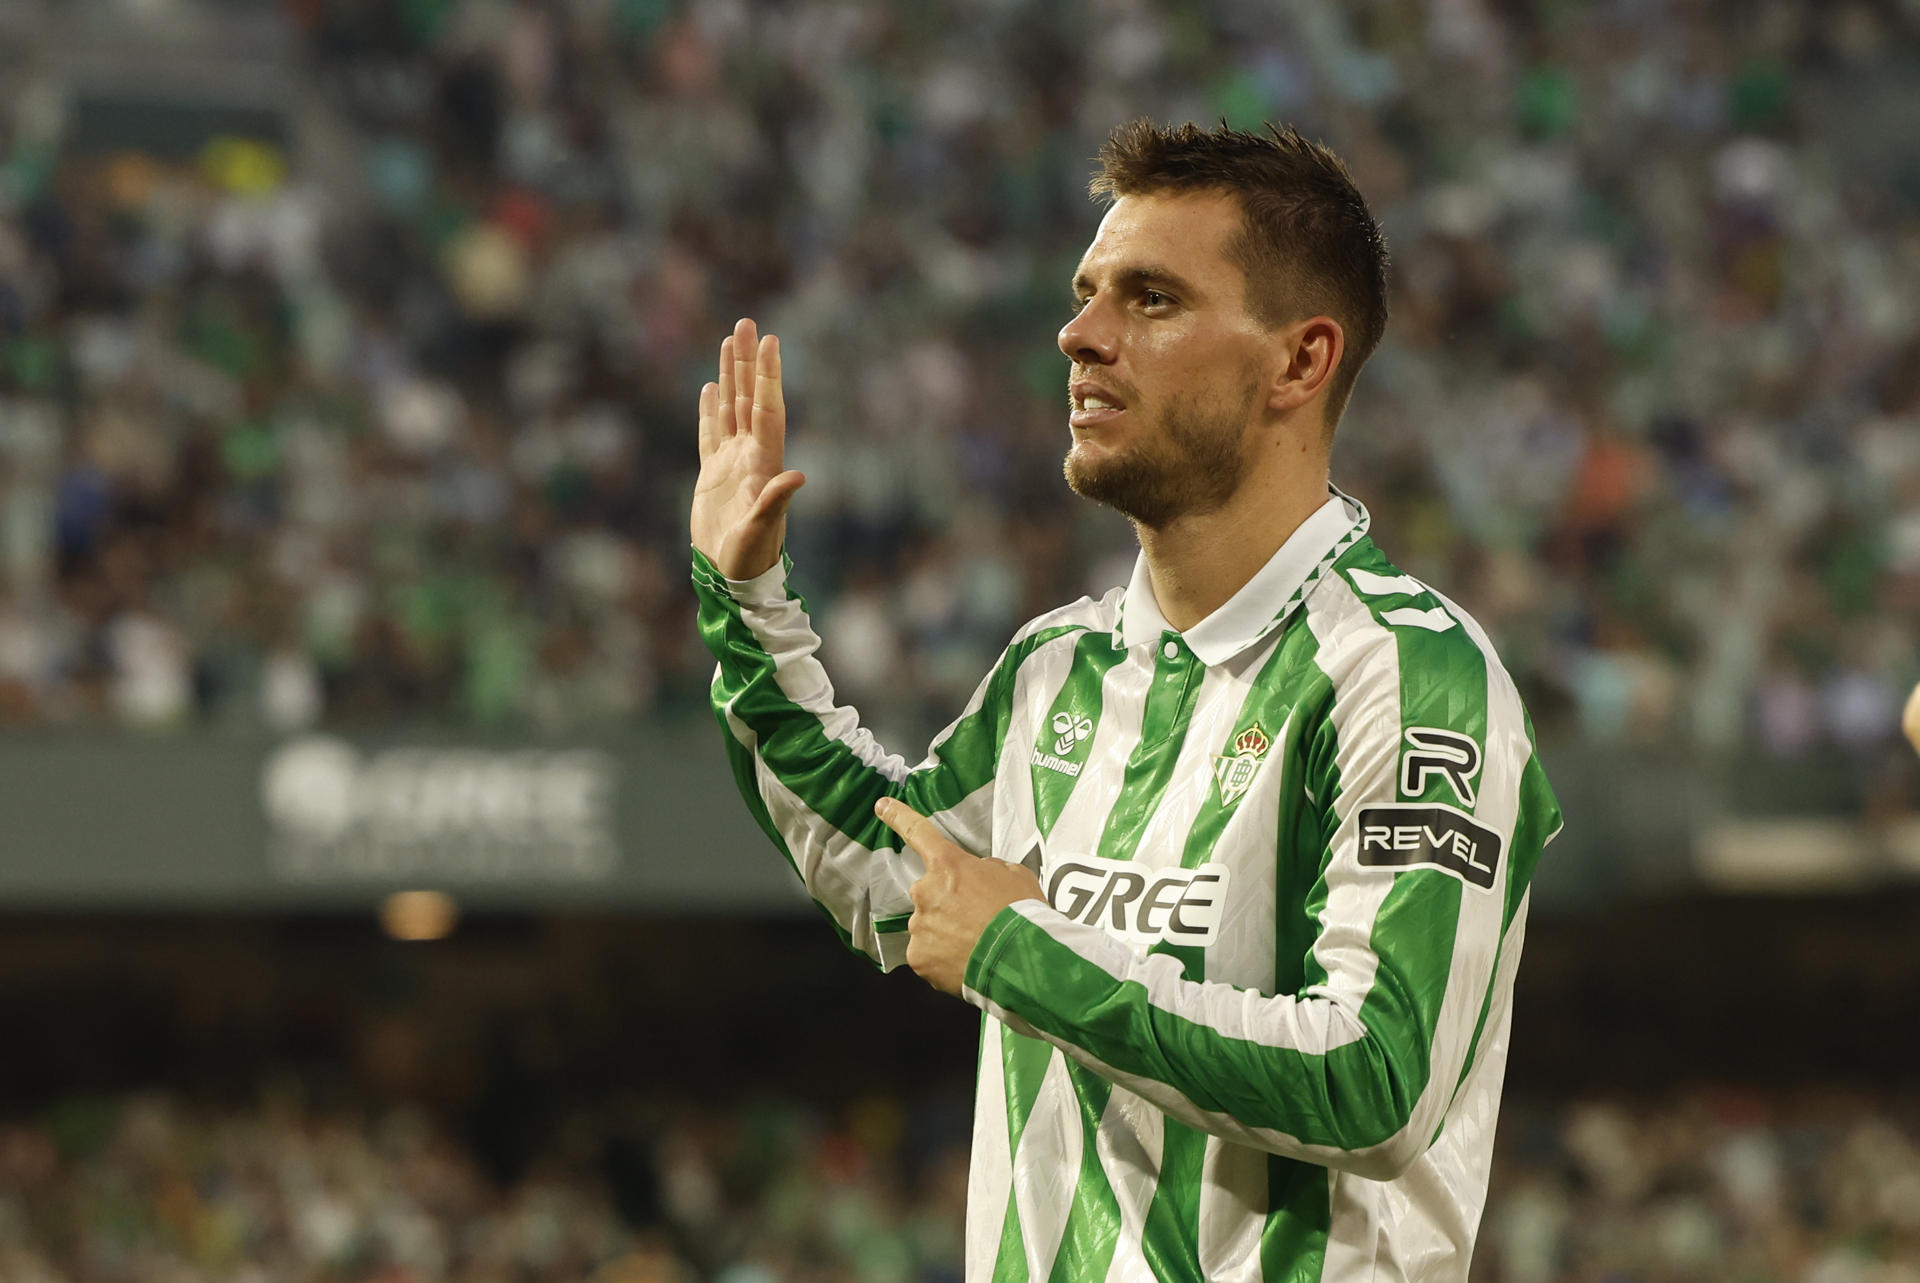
(809, 773)
(1311, 1077)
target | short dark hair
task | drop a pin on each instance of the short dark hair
(1309, 245)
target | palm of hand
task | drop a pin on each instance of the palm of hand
(731, 481)
(739, 513)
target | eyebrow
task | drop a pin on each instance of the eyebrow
(1144, 276)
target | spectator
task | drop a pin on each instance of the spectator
(1648, 392)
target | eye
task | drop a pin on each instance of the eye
(1076, 305)
(1153, 298)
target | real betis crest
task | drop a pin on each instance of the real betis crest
(1235, 770)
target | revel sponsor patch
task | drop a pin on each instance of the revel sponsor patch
(1403, 835)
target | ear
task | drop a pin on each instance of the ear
(1311, 351)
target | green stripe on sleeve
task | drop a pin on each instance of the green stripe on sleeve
(1342, 1099)
(1442, 686)
(1413, 936)
(1539, 817)
(1539, 821)
(1445, 684)
(825, 774)
(828, 776)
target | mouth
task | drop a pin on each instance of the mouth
(1092, 404)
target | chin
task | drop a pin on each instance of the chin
(1089, 452)
(1111, 479)
(1085, 467)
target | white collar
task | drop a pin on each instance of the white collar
(1264, 601)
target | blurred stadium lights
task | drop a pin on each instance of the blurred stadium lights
(419, 915)
(1806, 854)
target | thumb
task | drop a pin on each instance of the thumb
(776, 495)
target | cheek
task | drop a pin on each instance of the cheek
(1160, 344)
(1179, 354)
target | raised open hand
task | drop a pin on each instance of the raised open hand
(739, 517)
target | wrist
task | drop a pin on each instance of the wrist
(764, 588)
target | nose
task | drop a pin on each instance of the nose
(1092, 337)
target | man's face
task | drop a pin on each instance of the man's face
(1168, 366)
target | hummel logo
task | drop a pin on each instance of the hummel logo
(1059, 764)
(1071, 728)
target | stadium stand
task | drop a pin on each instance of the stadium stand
(389, 416)
(1701, 1184)
(295, 1099)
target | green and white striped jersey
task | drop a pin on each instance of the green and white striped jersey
(1258, 1029)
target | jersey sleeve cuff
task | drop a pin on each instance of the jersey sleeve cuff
(986, 950)
(766, 589)
(1020, 930)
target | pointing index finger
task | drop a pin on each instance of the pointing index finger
(911, 826)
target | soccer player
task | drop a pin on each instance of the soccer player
(1257, 828)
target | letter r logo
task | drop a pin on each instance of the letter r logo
(1449, 754)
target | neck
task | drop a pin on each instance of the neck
(1199, 561)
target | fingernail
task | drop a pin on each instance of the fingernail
(881, 807)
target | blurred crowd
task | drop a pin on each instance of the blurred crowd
(1737, 1184)
(1816, 1185)
(150, 1188)
(391, 417)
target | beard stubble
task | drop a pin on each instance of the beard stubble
(1193, 466)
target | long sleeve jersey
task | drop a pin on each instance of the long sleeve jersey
(1258, 1026)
